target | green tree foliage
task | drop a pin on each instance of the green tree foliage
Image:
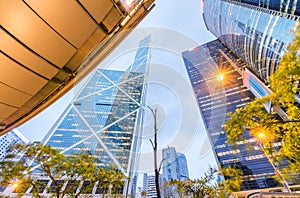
(110, 180)
(179, 187)
(207, 186)
(233, 180)
(267, 128)
(66, 172)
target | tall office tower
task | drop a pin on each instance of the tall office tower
(105, 117)
(170, 165)
(257, 31)
(216, 78)
(183, 171)
(174, 165)
(10, 139)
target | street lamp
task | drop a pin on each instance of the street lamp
(220, 77)
(15, 185)
(285, 184)
(261, 135)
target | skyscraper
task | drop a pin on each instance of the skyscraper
(215, 75)
(105, 117)
(183, 171)
(174, 165)
(10, 139)
(256, 31)
(170, 166)
(174, 168)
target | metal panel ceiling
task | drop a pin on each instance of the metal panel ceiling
(44, 43)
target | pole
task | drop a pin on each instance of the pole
(156, 170)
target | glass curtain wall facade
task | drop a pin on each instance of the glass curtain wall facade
(105, 117)
(174, 167)
(257, 31)
(219, 94)
(182, 167)
(170, 165)
(10, 139)
(285, 6)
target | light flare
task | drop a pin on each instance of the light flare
(220, 77)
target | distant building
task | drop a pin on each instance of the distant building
(174, 165)
(149, 185)
(145, 184)
(174, 168)
(133, 190)
(170, 165)
(151, 188)
(10, 139)
(183, 172)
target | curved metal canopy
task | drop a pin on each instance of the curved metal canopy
(45, 44)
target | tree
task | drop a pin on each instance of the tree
(266, 127)
(232, 182)
(79, 167)
(206, 186)
(50, 162)
(65, 172)
(111, 180)
(180, 186)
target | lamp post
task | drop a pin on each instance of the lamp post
(277, 172)
(15, 185)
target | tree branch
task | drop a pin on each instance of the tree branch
(160, 164)
(152, 143)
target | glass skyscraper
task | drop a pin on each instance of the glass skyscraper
(183, 171)
(105, 116)
(219, 94)
(174, 165)
(257, 31)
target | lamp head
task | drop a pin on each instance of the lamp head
(220, 77)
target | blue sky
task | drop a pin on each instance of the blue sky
(177, 26)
